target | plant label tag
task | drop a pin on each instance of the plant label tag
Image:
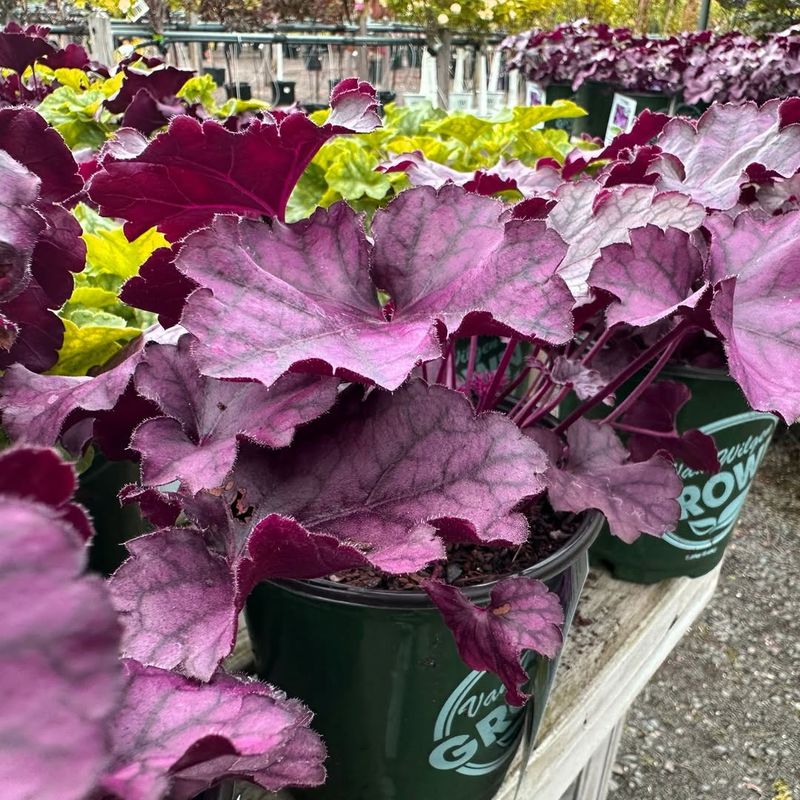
(535, 94)
(622, 116)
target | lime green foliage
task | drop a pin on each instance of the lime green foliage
(76, 110)
(781, 791)
(345, 167)
(96, 322)
(201, 89)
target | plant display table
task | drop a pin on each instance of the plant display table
(623, 633)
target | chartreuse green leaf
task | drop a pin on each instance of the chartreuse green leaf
(200, 89)
(354, 175)
(464, 127)
(96, 322)
(109, 252)
(90, 345)
(75, 109)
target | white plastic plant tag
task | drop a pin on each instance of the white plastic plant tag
(622, 116)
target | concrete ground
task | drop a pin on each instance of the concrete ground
(721, 718)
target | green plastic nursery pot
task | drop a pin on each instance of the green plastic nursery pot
(114, 524)
(655, 101)
(402, 716)
(562, 91)
(597, 99)
(710, 504)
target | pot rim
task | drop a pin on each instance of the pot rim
(578, 545)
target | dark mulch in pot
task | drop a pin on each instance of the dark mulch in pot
(470, 564)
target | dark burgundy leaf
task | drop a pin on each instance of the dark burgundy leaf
(522, 615)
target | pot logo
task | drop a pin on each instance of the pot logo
(476, 730)
(710, 504)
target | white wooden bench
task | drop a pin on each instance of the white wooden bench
(622, 634)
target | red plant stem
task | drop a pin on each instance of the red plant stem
(442, 374)
(645, 358)
(453, 375)
(547, 408)
(621, 426)
(513, 385)
(473, 352)
(597, 346)
(499, 374)
(539, 391)
(646, 381)
(424, 366)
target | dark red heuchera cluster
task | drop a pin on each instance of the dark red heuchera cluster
(317, 399)
(699, 65)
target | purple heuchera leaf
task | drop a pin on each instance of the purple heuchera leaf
(172, 734)
(635, 497)
(162, 82)
(197, 441)
(505, 175)
(379, 481)
(755, 264)
(180, 593)
(175, 599)
(58, 639)
(194, 170)
(655, 276)
(653, 417)
(312, 304)
(585, 381)
(20, 226)
(709, 159)
(589, 217)
(522, 615)
(35, 407)
(343, 477)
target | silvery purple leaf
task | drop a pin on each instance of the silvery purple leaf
(175, 600)
(589, 217)
(58, 638)
(180, 593)
(393, 473)
(279, 297)
(197, 441)
(651, 422)
(35, 407)
(655, 276)
(522, 615)
(708, 159)
(755, 264)
(595, 472)
(173, 735)
(584, 381)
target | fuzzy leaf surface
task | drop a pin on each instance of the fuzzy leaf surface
(522, 615)
(755, 264)
(167, 724)
(708, 159)
(634, 497)
(393, 473)
(589, 217)
(301, 296)
(653, 277)
(197, 441)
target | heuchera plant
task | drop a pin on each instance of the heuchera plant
(320, 398)
(115, 727)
